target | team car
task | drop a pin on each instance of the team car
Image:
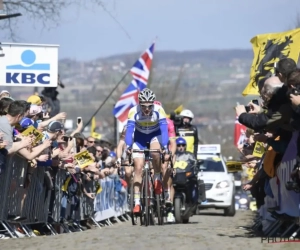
(219, 184)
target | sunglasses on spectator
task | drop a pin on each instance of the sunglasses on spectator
(100, 151)
(181, 145)
(147, 106)
(91, 141)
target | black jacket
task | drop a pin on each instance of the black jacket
(190, 134)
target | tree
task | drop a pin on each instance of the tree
(46, 12)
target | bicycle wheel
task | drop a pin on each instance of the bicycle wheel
(146, 198)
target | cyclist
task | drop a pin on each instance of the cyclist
(146, 123)
(121, 155)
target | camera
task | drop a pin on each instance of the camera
(295, 91)
(177, 119)
(254, 101)
(247, 109)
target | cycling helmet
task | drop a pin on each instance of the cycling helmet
(146, 95)
(180, 140)
(157, 103)
(187, 113)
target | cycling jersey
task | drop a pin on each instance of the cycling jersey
(171, 129)
(143, 128)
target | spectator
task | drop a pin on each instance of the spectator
(4, 93)
(4, 104)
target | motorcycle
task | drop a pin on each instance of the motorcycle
(185, 184)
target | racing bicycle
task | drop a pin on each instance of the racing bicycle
(150, 202)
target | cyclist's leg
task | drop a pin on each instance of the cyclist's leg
(128, 172)
(138, 160)
(156, 162)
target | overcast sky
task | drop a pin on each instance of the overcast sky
(180, 25)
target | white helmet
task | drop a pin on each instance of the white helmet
(146, 95)
(187, 113)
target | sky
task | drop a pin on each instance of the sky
(90, 33)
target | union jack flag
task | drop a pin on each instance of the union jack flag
(140, 73)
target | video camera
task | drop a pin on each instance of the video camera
(177, 119)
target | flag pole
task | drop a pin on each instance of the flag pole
(105, 100)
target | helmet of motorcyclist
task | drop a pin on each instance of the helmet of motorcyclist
(186, 113)
(180, 141)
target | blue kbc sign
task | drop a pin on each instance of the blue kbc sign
(29, 72)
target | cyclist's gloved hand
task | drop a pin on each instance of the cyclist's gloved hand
(165, 150)
(118, 162)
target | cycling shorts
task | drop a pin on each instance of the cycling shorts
(140, 141)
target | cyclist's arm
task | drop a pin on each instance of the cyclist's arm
(120, 149)
(172, 136)
(163, 124)
(130, 128)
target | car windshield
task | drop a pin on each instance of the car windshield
(211, 165)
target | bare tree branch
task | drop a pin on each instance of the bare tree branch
(46, 12)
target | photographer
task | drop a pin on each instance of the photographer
(188, 131)
(273, 115)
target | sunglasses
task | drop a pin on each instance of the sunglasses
(91, 141)
(100, 151)
(147, 106)
(181, 145)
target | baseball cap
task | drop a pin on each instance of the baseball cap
(55, 126)
(112, 154)
(34, 99)
(26, 122)
(35, 109)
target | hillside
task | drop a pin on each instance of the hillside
(209, 82)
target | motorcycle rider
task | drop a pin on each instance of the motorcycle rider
(183, 155)
(188, 131)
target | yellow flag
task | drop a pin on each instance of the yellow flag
(259, 149)
(269, 49)
(177, 110)
(93, 127)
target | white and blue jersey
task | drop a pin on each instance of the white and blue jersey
(142, 129)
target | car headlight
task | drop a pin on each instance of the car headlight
(243, 201)
(223, 184)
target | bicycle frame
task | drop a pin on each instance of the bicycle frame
(146, 190)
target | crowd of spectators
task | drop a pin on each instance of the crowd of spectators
(271, 125)
(27, 130)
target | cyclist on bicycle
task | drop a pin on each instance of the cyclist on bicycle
(122, 157)
(146, 124)
(172, 147)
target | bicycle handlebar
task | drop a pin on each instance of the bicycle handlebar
(146, 150)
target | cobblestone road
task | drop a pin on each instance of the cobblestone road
(205, 231)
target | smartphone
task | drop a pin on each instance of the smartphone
(79, 119)
(66, 138)
(255, 101)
